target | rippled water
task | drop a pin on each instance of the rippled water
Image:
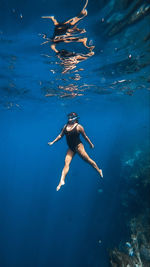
(100, 68)
(119, 63)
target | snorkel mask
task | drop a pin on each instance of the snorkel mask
(72, 117)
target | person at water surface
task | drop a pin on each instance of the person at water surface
(72, 131)
(67, 32)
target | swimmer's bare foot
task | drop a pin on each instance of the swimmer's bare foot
(60, 184)
(101, 173)
(84, 12)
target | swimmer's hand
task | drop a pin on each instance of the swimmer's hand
(50, 143)
(92, 146)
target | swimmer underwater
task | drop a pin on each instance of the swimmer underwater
(72, 131)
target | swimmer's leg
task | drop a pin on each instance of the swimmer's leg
(76, 19)
(81, 151)
(85, 4)
(65, 170)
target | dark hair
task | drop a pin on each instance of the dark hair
(73, 114)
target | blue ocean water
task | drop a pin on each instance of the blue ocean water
(109, 89)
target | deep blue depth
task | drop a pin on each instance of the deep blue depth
(78, 225)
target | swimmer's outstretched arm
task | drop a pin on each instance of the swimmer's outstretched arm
(57, 138)
(81, 130)
(52, 18)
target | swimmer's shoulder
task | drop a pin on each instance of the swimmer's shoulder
(80, 128)
(63, 130)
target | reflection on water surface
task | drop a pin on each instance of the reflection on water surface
(103, 50)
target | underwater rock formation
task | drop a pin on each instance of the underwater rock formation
(136, 211)
(136, 253)
(126, 13)
(136, 178)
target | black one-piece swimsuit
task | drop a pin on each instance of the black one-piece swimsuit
(73, 138)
